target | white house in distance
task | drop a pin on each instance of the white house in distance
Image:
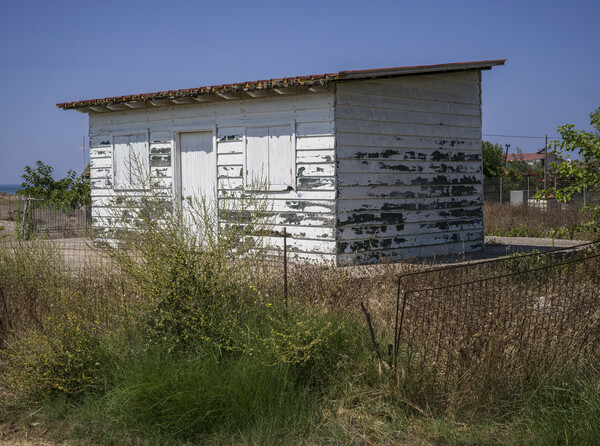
(360, 164)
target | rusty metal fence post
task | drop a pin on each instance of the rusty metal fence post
(285, 269)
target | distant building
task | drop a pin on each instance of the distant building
(533, 159)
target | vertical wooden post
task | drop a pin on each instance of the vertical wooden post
(285, 278)
(546, 163)
(500, 190)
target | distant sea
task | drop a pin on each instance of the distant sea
(9, 188)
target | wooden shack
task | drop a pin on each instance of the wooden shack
(361, 165)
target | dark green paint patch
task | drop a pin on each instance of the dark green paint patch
(366, 245)
(230, 138)
(160, 160)
(300, 171)
(463, 190)
(386, 218)
(451, 142)
(389, 153)
(291, 218)
(160, 150)
(398, 167)
(443, 179)
(306, 183)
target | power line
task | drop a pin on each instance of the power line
(514, 136)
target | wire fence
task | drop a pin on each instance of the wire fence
(73, 255)
(522, 191)
(452, 321)
(42, 217)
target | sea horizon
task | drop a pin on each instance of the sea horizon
(10, 189)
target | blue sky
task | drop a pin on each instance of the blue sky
(61, 51)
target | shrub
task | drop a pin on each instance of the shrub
(65, 359)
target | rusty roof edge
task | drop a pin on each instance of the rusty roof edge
(311, 80)
(320, 79)
(439, 68)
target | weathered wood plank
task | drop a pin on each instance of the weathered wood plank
(315, 183)
(230, 171)
(411, 216)
(226, 147)
(315, 156)
(100, 173)
(101, 153)
(369, 113)
(230, 159)
(345, 139)
(420, 178)
(315, 170)
(302, 245)
(395, 154)
(407, 253)
(401, 90)
(297, 205)
(408, 167)
(381, 243)
(161, 137)
(163, 160)
(424, 228)
(407, 204)
(409, 191)
(417, 105)
(100, 141)
(398, 129)
(274, 104)
(97, 163)
(315, 142)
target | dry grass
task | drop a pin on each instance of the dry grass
(526, 221)
(8, 206)
(476, 350)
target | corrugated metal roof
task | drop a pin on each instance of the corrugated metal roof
(308, 81)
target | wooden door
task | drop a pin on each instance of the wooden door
(197, 164)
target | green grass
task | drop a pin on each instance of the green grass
(167, 398)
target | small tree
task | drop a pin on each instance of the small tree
(71, 191)
(583, 173)
(493, 159)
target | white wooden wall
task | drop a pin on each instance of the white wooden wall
(409, 166)
(308, 212)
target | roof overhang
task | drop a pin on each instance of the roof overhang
(256, 89)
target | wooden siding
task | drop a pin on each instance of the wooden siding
(408, 166)
(308, 212)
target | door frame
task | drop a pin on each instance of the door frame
(176, 132)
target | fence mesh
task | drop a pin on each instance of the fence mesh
(41, 217)
(507, 311)
(522, 190)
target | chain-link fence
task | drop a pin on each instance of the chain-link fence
(523, 190)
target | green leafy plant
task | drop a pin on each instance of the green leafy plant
(583, 173)
(72, 191)
(493, 159)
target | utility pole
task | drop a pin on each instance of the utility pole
(546, 163)
(83, 150)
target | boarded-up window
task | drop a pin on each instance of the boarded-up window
(270, 156)
(130, 161)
